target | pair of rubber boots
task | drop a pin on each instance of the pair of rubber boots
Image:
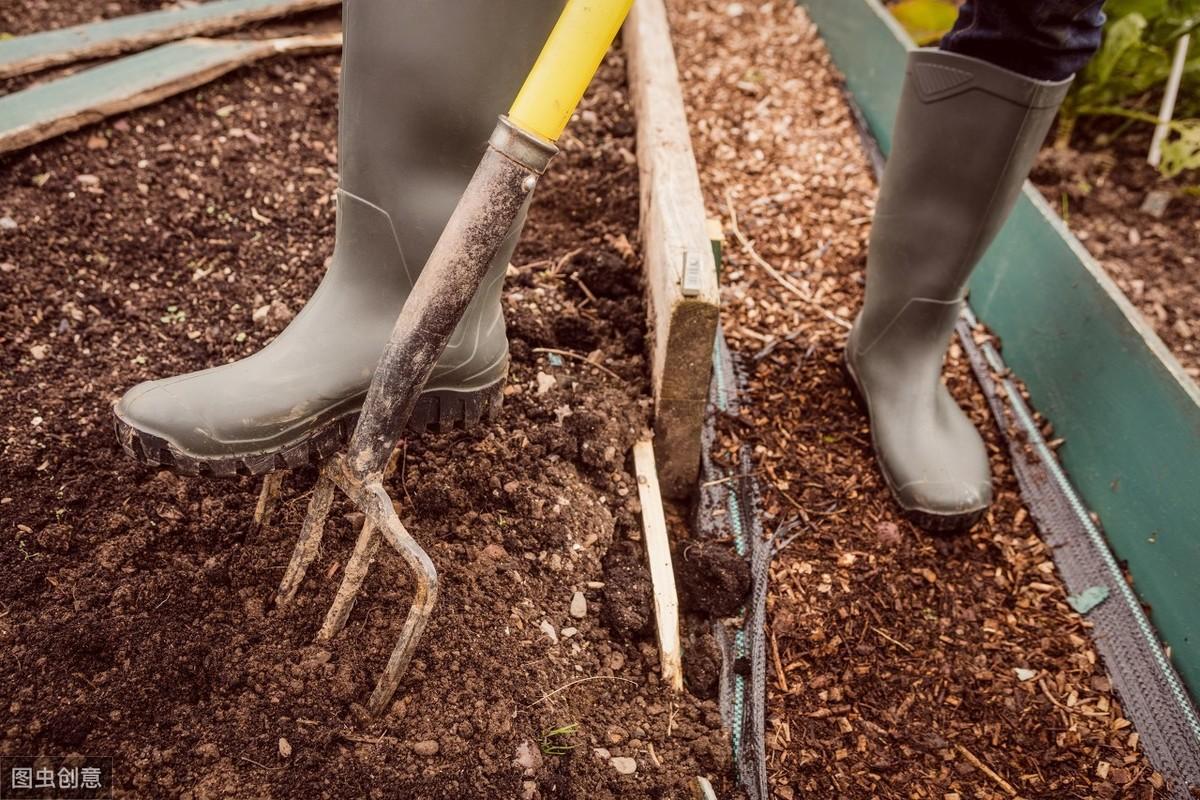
(420, 93)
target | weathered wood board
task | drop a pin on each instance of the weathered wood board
(50, 109)
(112, 37)
(681, 273)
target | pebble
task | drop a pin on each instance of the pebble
(624, 765)
(429, 747)
(8, 224)
(888, 533)
(578, 605)
(529, 758)
(545, 383)
(548, 629)
(285, 747)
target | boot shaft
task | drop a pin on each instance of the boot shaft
(965, 138)
(422, 84)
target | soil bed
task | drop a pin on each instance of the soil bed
(136, 615)
(902, 665)
(1100, 192)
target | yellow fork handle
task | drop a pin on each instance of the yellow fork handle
(569, 60)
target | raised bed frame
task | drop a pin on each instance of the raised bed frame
(1128, 414)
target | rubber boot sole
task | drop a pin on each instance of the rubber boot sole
(442, 410)
(931, 522)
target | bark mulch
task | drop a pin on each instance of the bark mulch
(902, 665)
(136, 607)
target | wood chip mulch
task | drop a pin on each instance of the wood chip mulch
(902, 665)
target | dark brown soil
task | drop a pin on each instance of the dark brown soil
(899, 662)
(136, 607)
(1100, 192)
(31, 16)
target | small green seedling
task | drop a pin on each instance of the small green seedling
(553, 741)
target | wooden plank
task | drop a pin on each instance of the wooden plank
(112, 37)
(681, 274)
(1127, 412)
(662, 573)
(56, 107)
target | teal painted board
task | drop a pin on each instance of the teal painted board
(138, 31)
(1129, 415)
(55, 107)
(866, 45)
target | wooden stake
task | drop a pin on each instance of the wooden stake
(1167, 110)
(113, 37)
(702, 789)
(50, 109)
(662, 575)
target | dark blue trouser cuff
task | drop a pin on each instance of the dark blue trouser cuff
(1047, 40)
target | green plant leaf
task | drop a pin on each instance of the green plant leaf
(1148, 9)
(926, 21)
(1119, 38)
(1181, 152)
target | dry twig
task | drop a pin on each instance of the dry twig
(776, 274)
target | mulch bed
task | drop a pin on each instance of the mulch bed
(1100, 191)
(136, 607)
(902, 665)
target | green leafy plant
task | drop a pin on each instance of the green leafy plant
(1131, 67)
(1182, 152)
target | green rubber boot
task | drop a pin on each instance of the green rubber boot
(422, 86)
(965, 139)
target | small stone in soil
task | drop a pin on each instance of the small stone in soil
(529, 758)
(285, 748)
(429, 747)
(888, 533)
(624, 765)
(578, 605)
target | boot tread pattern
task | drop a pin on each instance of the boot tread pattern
(437, 410)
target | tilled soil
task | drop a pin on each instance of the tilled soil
(1153, 259)
(902, 665)
(136, 607)
(32, 16)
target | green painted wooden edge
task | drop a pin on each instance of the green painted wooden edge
(1128, 413)
(117, 79)
(67, 44)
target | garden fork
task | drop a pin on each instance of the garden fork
(518, 153)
